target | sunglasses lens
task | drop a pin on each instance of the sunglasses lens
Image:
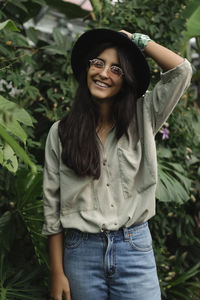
(116, 70)
(97, 63)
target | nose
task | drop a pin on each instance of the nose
(104, 72)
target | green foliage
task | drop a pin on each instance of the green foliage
(69, 9)
(193, 21)
(37, 88)
(22, 284)
(173, 185)
(175, 228)
(176, 244)
(11, 115)
(22, 10)
(27, 202)
(162, 21)
(9, 24)
(20, 230)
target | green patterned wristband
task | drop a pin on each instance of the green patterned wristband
(141, 40)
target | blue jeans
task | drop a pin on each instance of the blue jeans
(112, 265)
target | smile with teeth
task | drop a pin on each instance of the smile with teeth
(101, 84)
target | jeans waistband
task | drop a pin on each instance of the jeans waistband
(125, 231)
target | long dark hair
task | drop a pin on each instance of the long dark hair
(77, 130)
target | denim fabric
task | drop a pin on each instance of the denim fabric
(112, 265)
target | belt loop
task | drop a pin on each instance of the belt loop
(126, 234)
(85, 235)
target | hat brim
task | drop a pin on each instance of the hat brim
(91, 38)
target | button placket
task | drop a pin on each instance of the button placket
(111, 208)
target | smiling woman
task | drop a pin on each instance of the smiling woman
(100, 169)
(104, 82)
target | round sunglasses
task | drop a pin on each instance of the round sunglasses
(99, 64)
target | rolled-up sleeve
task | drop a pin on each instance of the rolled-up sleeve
(167, 93)
(51, 184)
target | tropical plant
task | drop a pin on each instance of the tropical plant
(11, 115)
(37, 88)
(20, 284)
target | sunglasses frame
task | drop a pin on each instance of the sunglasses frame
(111, 68)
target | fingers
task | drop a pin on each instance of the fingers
(67, 295)
(57, 297)
(127, 33)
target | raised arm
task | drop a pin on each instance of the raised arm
(174, 80)
(164, 57)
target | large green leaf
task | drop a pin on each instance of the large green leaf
(9, 24)
(4, 220)
(15, 128)
(17, 148)
(9, 158)
(192, 5)
(16, 112)
(28, 187)
(177, 170)
(10, 116)
(172, 186)
(22, 10)
(28, 190)
(69, 9)
(54, 49)
(41, 2)
(193, 24)
(1, 153)
(187, 275)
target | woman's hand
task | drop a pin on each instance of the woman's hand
(59, 282)
(127, 33)
(60, 287)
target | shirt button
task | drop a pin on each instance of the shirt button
(112, 205)
(104, 162)
(115, 224)
(108, 184)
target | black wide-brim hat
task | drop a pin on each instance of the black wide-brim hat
(92, 38)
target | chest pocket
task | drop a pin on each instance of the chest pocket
(76, 192)
(134, 172)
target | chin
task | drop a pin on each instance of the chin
(103, 97)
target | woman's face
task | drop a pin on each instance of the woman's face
(103, 83)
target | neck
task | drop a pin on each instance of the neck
(105, 112)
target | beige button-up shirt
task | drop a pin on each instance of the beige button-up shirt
(125, 192)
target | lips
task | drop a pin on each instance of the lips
(101, 84)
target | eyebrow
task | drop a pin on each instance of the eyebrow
(117, 65)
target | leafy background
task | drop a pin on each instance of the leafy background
(37, 88)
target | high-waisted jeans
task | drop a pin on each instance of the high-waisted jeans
(111, 265)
